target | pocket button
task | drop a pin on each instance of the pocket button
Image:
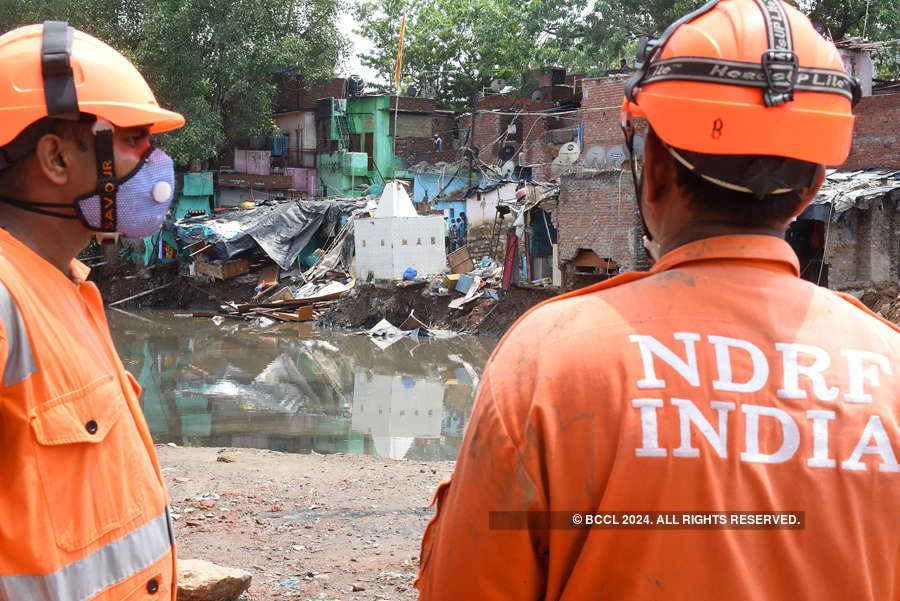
(152, 586)
(91, 427)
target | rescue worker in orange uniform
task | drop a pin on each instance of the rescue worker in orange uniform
(718, 382)
(83, 506)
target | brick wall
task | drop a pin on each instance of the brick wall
(600, 115)
(417, 105)
(536, 151)
(596, 211)
(293, 96)
(418, 149)
(876, 133)
(601, 103)
(479, 241)
(864, 246)
(443, 123)
(491, 127)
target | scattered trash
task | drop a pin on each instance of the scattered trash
(460, 261)
(471, 293)
(450, 280)
(412, 323)
(384, 333)
(409, 274)
(464, 283)
(384, 329)
(291, 582)
(225, 459)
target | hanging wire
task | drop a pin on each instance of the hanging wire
(825, 243)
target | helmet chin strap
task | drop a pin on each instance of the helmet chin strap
(637, 181)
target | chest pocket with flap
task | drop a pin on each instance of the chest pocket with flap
(88, 454)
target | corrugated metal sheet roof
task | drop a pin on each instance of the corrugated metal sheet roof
(857, 189)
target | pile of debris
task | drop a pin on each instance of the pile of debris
(883, 299)
(383, 334)
(464, 284)
(297, 304)
(303, 251)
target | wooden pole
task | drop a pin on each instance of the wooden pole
(140, 294)
(130, 314)
(472, 132)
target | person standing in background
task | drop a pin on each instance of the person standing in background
(463, 228)
(454, 235)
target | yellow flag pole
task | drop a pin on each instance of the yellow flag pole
(400, 55)
(397, 71)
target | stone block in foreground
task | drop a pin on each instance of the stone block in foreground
(200, 580)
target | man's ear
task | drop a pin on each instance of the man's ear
(657, 164)
(51, 156)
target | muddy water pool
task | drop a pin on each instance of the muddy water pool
(294, 388)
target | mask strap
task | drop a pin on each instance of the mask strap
(107, 186)
(34, 207)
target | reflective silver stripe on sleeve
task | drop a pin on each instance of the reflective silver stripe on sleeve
(19, 359)
(108, 565)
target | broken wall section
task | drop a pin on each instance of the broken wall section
(863, 246)
(596, 212)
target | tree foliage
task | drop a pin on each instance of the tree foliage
(456, 46)
(211, 60)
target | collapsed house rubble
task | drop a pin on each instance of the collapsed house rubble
(304, 255)
(846, 238)
(284, 238)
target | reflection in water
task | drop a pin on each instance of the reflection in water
(292, 388)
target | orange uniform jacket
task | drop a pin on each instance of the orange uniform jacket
(718, 381)
(83, 510)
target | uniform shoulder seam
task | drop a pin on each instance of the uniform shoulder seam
(849, 298)
(619, 280)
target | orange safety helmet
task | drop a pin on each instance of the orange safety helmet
(745, 77)
(54, 70)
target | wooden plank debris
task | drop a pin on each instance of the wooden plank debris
(140, 294)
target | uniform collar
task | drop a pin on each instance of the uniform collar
(78, 271)
(765, 251)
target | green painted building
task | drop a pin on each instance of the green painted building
(355, 145)
(197, 196)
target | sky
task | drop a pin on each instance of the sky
(360, 45)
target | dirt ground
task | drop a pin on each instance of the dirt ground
(367, 304)
(336, 527)
(362, 307)
(180, 293)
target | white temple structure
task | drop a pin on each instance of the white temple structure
(397, 238)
